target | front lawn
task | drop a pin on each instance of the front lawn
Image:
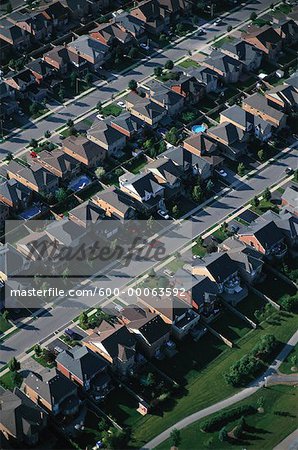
(264, 206)
(224, 40)
(199, 250)
(200, 368)
(112, 110)
(10, 380)
(4, 324)
(261, 430)
(188, 63)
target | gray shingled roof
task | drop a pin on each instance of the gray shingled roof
(238, 115)
(218, 264)
(260, 103)
(51, 386)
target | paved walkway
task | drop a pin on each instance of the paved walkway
(290, 443)
(254, 387)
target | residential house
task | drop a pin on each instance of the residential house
(265, 237)
(222, 270)
(85, 368)
(35, 23)
(84, 150)
(249, 261)
(15, 195)
(265, 39)
(288, 30)
(151, 333)
(289, 199)
(166, 173)
(34, 177)
(21, 82)
(12, 262)
(257, 104)
(93, 51)
(40, 69)
(247, 122)
(59, 163)
(77, 8)
(156, 19)
(249, 56)
(115, 343)
(189, 87)
(229, 69)
(115, 203)
(18, 38)
(21, 420)
(107, 137)
(4, 214)
(132, 25)
(9, 106)
(173, 311)
(283, 97)
(165, 97)
(287, 222)
(144, 188)
(145, 110)
(111, 33)
(193, 164)
(58, 14)
(201, 144)
(53, 392)
(65, 61)
(207, 77)
(231, 139)
(86, 214)
(198, 291)
(126, 124)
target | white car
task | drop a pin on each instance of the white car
(222, 173)
(163, 214)
(100, 117)
(144, 46)
(168, 273)
(218, 22)
(121, 104)
(58, 349)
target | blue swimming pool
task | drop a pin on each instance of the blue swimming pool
(79, 183)
(198, 129)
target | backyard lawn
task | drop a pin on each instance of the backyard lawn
(122, 406)
(199, 367)
(274, 287)
(230, 326)
(262, 430)
(250, 304)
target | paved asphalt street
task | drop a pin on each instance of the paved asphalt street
(43, 326)
(119, 83)
(228, 401)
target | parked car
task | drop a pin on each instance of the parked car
(200, 32)
(33, 154)
(168, 273)
(100, 116)
(289, 170)
(70, 333)
(58, 349)
(218, 22)
(163, 214)
(121, 104)
(222, 173)
(144, 46)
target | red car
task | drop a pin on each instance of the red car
(33, 154)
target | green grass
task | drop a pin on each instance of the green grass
(220, 235)
(188, 63)
(8, 381)
(199, 250)
(112, 110)
(200, 368)
(250, 304)
(4, 324)
(224, 40)
(43, 362)
(287, 365)
(122, 406)
(263, 430)
(176, 264)
(264, 206)
(230, 326)
(274, 287)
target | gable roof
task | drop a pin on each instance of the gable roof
(290, 196)
(85, 45)
(15, 192)
(58, 160)
(83, 147)
(151, 328)
(202, 142)
(284, 93)
(126, 121)
(219, 265)
(34, 174)
(39, 66)
(164, 168)
(266, 35)
(267, 233)
(223, 62)
(260, 103)
(52, 386)
(116, 198)
(87, 212)
(141, 183)
(228, 132)
(116, 340)
(245, 52)
(130, 23)
(104, 132)
(81, 362)
(238, 115)
(19, 414)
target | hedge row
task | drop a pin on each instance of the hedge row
(220, 420)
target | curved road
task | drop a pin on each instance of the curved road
(257, 384)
